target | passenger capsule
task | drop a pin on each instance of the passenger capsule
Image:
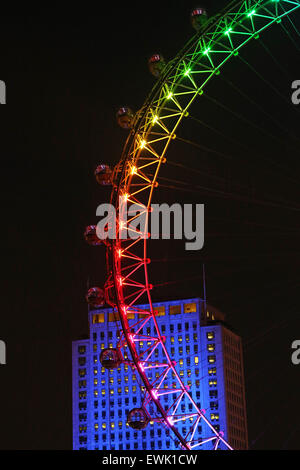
(91, 237)
(103, 175)
(156, 64)
(95, 297)
(198, 18)
(111, 358)
(137, 418)
(125, 117)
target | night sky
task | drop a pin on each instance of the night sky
(66, 76)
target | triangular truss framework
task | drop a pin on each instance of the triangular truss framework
(183, 80)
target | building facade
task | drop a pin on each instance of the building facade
(208, 357)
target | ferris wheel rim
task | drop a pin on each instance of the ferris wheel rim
(124, 182)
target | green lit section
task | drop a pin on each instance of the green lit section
(169, 95)
(187, 72)
(206, 51)
(251, 13)
(229, 30)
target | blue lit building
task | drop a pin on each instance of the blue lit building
(209, 359)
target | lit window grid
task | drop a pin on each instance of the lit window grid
(137, 436)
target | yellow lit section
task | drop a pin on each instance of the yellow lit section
(175, 309)
(190, 308)
(98, 318)
(130, 315)
(160, 311)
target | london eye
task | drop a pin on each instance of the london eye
(180, 85)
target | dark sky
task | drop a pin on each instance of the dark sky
(66, 75)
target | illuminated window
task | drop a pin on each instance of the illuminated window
(134, 388)
(196, 359)
(103, 391)
(98, 318)
(82, 394)
(126, 389)
(212, 371)
(190, 308)
(181, 362)
(175, 309)
(95, 393)
(81, 349)
(96, 425)
(130, 315)
(211, 347)
(180, 339)
(212, 383)
(211, 359)
(102, 346)
(160, 311)
(103, 425)
(111, 391)
(214, 416)
(82, 372)
(172, 339)
(95, 381)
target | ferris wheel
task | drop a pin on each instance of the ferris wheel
(180, 83)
